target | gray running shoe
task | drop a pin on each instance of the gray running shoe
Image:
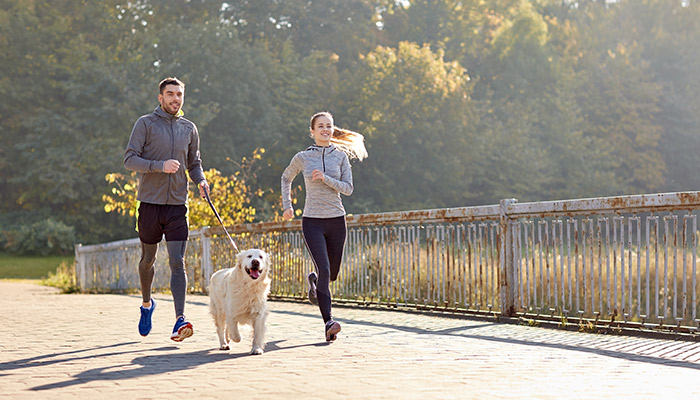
(332, 330)
(313, 298)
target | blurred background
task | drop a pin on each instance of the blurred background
(461, 102)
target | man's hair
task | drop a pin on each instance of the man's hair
(170, 81)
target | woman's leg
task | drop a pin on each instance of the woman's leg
(314, 238)
(335, 243)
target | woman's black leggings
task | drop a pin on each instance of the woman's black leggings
(325, 240)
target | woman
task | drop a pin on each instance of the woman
(327, 174)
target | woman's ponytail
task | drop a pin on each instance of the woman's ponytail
(349, 142)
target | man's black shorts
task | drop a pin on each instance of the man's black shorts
(156, 219)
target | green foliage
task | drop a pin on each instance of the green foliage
(63, 278)
(230, 195)
(29, 267)
(415, 111)
(462, 102)
(48, 237)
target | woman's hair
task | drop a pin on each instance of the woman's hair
(349, 142)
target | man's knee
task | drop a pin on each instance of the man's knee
(148, 255)
(176, 256)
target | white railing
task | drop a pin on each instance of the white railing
(631, 260)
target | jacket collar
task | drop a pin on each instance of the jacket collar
(162, 113)
(321, 148)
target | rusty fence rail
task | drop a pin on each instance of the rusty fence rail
(629, 260)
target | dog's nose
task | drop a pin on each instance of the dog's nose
(255, 263)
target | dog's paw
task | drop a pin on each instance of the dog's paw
(236, 338)
(256, 351)
(224, 347)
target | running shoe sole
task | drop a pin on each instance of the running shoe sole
(313, 296)
(332, 332)
(183, 333)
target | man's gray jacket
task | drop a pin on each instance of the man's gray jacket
(158, 137)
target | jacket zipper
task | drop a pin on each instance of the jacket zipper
(172, 151)
(323, 160)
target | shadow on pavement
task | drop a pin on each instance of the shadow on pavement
(460, 332)
(48, 359)
(156, 364)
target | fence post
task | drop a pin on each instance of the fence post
(207, 268)
(506, 260)
(79, 267)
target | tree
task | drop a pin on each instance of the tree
(414, 109)
(668, 34)
(56, 137)
(346, 28)
(618, 96)
(229, 194)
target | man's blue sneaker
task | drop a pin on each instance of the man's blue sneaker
(182, 330)
(313, 297)
(145, 322)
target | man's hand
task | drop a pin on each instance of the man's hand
(171, 166)
(288, 214)
(203, 188)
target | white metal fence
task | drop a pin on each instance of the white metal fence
(631, 260)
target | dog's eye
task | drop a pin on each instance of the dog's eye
(249, 256)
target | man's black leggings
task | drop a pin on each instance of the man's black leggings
(325, 240)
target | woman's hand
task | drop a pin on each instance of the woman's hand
(317, 175)
(288, 213)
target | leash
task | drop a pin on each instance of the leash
(206, 195)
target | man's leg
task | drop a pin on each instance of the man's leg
(176, 233)
(178, 286)
(146, 274)
(178, 275)
(150, 234)
(147, 271)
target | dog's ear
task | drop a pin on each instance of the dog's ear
(239, 258)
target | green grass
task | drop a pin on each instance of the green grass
(29, 267)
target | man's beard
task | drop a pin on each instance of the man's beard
(171, 109)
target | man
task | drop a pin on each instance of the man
(162, 146)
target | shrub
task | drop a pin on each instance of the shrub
(49, 237)
(63, 278)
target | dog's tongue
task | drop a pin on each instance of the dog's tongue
(254, 273)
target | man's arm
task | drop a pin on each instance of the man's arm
(133, 159)
(194, 163)
(194, 159)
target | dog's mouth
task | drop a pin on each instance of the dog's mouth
(254, 270)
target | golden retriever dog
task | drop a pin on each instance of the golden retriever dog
(238, 295)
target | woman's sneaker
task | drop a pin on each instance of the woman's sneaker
(182, 330)
(313, 298)
(145, 321)
(332, 330)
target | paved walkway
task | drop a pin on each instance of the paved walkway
(87, 347)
